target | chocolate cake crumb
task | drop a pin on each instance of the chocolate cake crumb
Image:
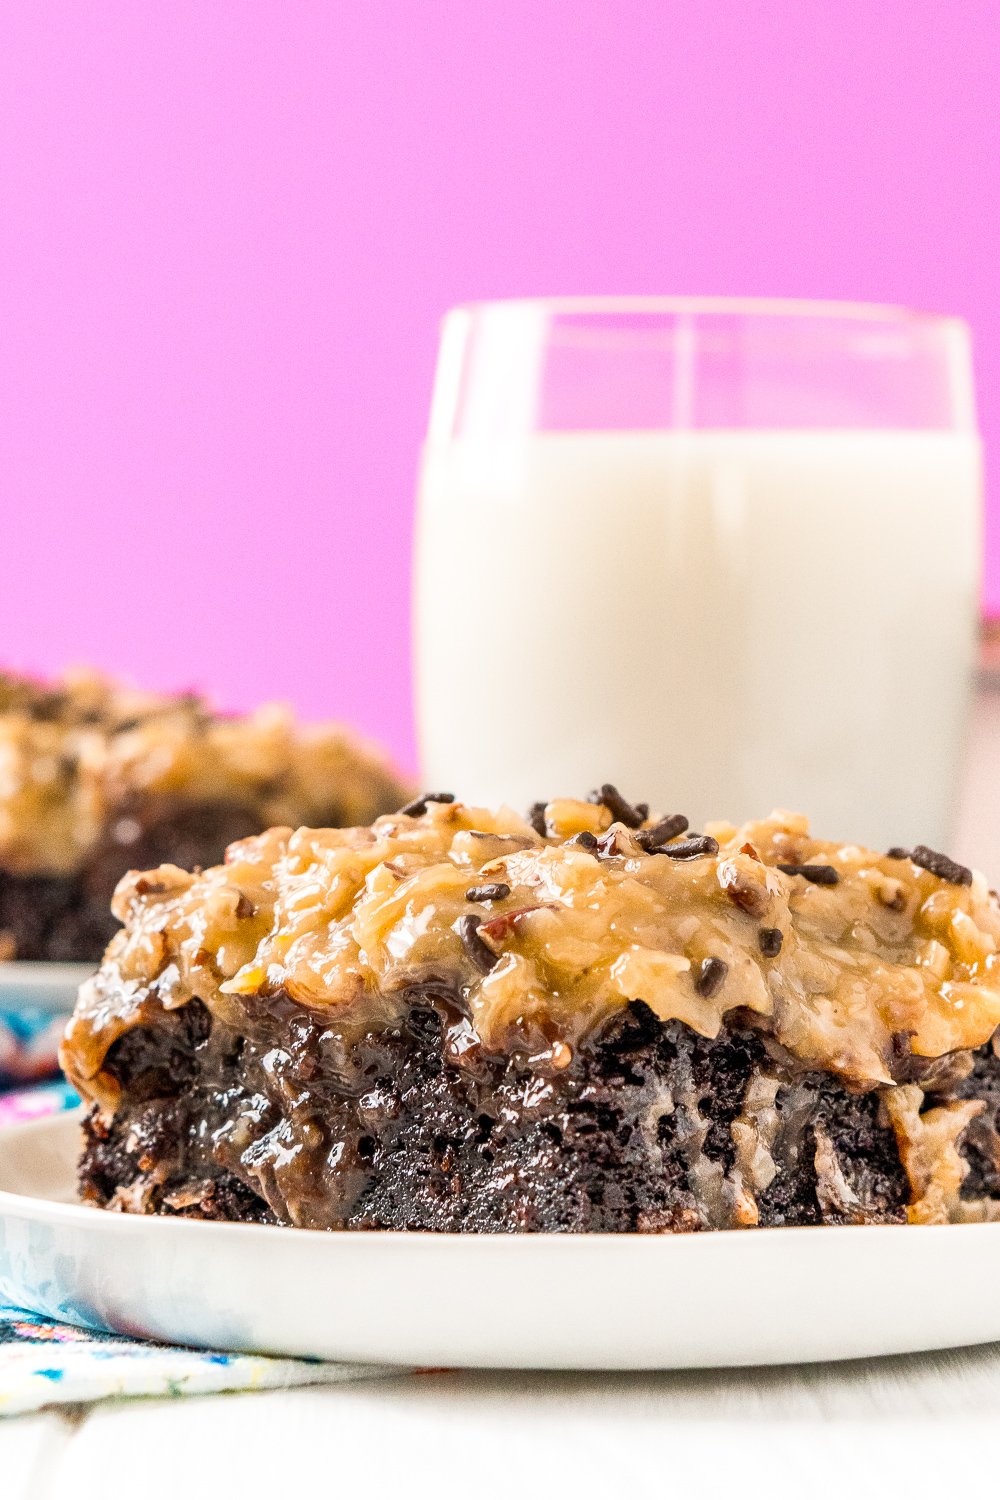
(815, 874)
(711, 977)
(769, 941)
(941, 866)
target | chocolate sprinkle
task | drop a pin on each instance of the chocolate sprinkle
(815, 874)
(769, 940)
(623, 812)
(536, 817)
(499, 891)
(662, 832)
(583, 840)
(941, 866)
(897, 853)
(468, 930)
(418, 806)
(711, 977)
(698, 845)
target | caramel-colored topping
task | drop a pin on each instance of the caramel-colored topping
(75, 758)
(885, 959)
(928, 1149)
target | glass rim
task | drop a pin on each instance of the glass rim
(791, 308)
(493, 356)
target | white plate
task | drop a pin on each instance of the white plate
(767, 1296)
(47, 986)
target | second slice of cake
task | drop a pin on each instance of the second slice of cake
(97, 778)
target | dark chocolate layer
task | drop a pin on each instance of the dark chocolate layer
(280, 1122)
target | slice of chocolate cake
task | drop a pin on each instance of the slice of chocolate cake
(97, 779)
(591, 1020)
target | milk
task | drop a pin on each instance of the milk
(720, 622)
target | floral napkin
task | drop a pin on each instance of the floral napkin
(29, 1040)
(44, 1363)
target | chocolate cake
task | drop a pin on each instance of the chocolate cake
(97, 779)
(587, 1020)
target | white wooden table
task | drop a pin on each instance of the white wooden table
(927, 1421)
(847, 1430)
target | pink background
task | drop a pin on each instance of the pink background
(228, 230)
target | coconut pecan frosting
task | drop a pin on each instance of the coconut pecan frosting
(88, 761)
(849, 961)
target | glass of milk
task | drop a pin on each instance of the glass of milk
(722, 553)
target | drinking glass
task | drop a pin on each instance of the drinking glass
(723, 553)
